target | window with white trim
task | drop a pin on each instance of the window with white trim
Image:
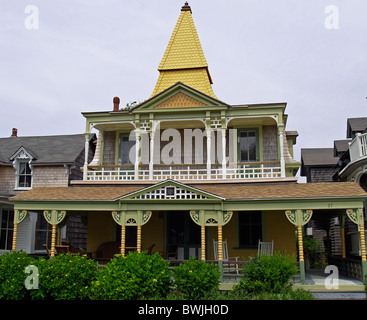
(23, 175)
(23, 169)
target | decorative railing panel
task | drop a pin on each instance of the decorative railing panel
(182, 173)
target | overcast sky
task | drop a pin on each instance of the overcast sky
(85, 52)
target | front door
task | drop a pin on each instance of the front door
(183, 236)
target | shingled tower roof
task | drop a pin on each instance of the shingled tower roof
(184, 60)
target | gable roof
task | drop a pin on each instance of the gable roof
(168, 98)
(45, 149)
(189, 191)
(184, 58)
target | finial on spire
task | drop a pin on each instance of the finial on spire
(186, 7)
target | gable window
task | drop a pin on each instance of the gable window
(247, 144)
(24, 175)
(23, 169)
(249, 229)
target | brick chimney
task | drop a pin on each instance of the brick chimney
(14, 132)
(116, 104)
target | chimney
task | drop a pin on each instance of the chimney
(14, 132)
(116, 104)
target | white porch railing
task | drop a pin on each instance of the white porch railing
(182, 172)
(358, 147)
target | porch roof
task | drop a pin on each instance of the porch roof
(226, 191)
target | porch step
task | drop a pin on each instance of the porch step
(339, 295)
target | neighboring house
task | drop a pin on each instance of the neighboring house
(184, 169)
(31, 162)
(347, 161)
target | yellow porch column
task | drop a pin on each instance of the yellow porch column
(123, 240)
(54, 217)
(220, 244)
(299, 218)
(300, 244)
(19, 216)
(138, 241)
(133, 218)
(53, 240)
(15, 232)
(363, 242)
(203, 243)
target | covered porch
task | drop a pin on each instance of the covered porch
(184, 220)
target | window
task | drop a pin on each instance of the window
(6, 231)
(24, 175)
(249, 229)
(125, 148)
(247, 145)
(43, 233)
(22, 160)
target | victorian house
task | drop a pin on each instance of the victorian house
(28, 162)
(183, 171)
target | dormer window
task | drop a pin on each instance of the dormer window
(24, 176)
(22, 160)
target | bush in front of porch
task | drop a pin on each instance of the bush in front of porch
(269, 274)
(195, 279)
(136, 276)
(12, 276)
(64, 277)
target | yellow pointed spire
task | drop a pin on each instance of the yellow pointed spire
(184, 60)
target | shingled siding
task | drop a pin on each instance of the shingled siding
(321, 174)
(7, 180)
(109, 148)
(270, 143)
(50, 176)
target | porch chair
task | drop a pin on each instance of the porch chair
(265, 248)
(47, 249)
(226, 259)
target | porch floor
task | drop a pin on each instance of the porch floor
(317, 277)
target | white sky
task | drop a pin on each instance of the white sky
(85, 52)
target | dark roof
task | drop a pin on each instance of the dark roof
(355, 125)
(318, 157)
(44, 149)
(341, 146)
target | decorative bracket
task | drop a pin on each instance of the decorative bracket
(131, 218)
(211, 218)
(356, 215)
(19, 216)
(54, 217)
(299, 217)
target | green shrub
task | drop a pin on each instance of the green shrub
(136, 276)
(65, 277)
(315, 252)
(12, 275)
(194, 279)
(266, 274)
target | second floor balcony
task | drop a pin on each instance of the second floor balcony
(182, 172)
